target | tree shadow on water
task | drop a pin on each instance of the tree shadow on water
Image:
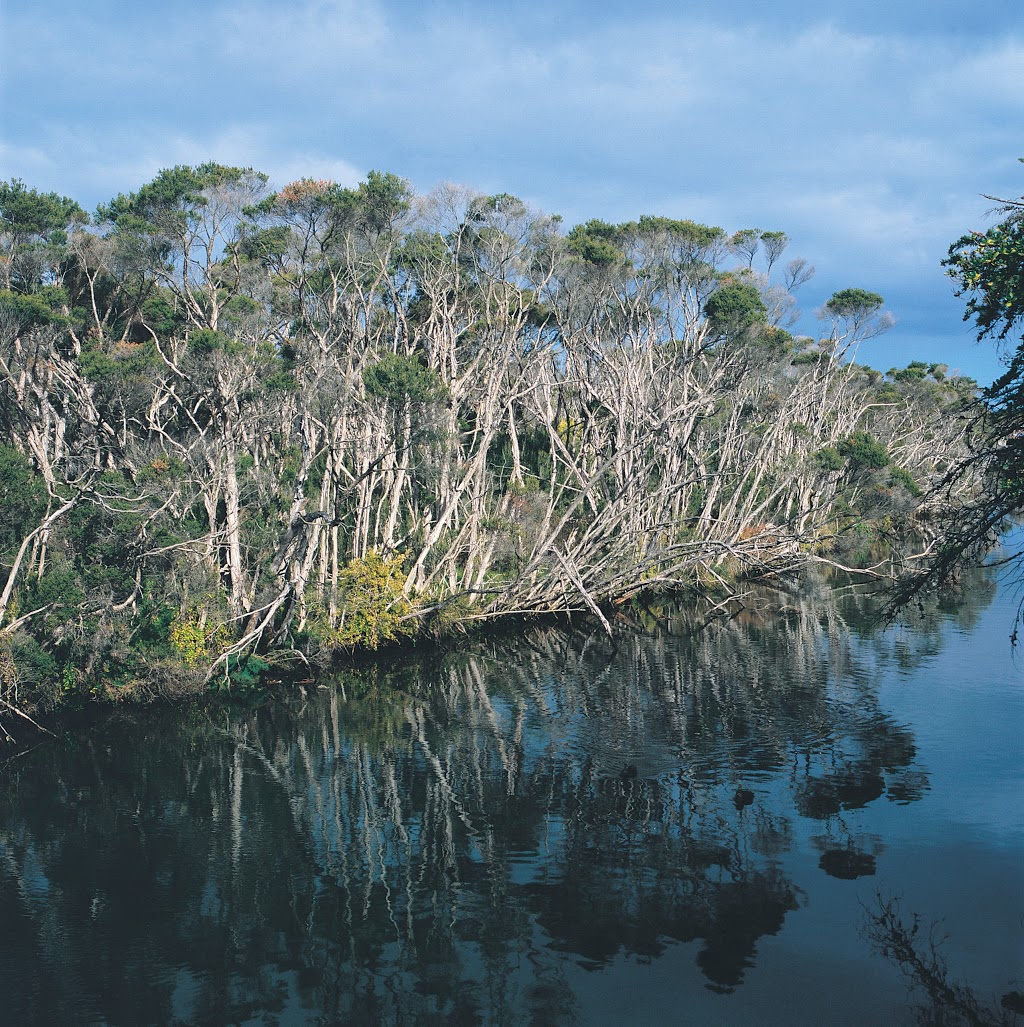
(915, 947)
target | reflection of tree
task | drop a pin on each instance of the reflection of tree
(431, 850)
(919, 631)
(916, 949)
(849, 855)
(145, 868)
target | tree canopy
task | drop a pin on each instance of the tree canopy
(734, 308)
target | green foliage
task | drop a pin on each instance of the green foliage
(691, 234)
(396, 377)
(174, 193)
(22, 499)
(856, 314)
(916, 370)
(500, 203)
(734, 308)
(239, 307)
(267, 246)
(900, 476)
(862, 449)
(829, 459)
(774, 243)
(281, 381)
(35, 666)
(382, 199)
(746, 242)
(204, 342)
(774, 342)
(562, 351)
(26, 212)
(245, 671)
(853, 302)
(24, 312)
(372, 604)
(160, 314)
(374, 208)
(280, 376)
(118, 366)
(421, 249)
(188, 641)
(97, 365)
(597, 242)
(59, 589)
(988, 268)
(863, 542)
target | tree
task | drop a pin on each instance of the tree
(988, 269)
(190, 218)
(734, 309)
(856, 314)
(32, 226)
(798, 272)
(746, 242)
(596, 242)
(774, 244)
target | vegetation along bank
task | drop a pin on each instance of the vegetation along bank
(240, 427)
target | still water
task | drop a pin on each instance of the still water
(692, 828)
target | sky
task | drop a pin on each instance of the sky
(867, 130)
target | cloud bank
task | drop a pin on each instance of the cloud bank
(868, 143)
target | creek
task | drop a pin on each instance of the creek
(693, 827)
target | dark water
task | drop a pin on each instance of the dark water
(689, 830)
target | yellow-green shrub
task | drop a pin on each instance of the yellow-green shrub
(188, 641)
(371, 603)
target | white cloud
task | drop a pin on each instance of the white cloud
(290, 39)
(296, 166)
(869, 148)
(30, 163)
(103, 167)
(992, 76)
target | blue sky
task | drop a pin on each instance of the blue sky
(866, 130)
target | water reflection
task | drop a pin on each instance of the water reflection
(916, 947)
(442, 843)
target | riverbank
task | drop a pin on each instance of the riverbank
(255, 679)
